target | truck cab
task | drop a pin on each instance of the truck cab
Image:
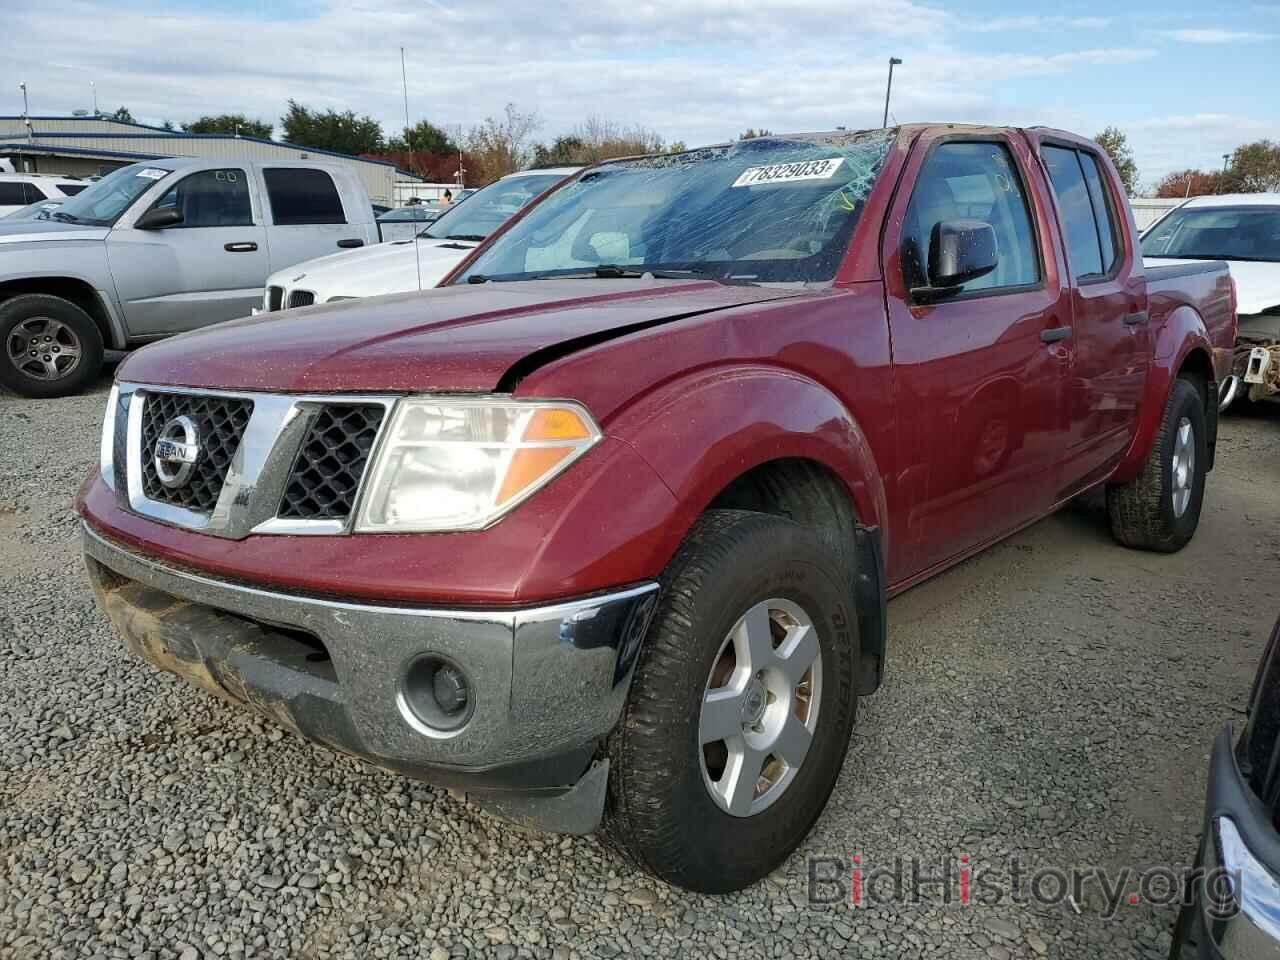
(159, 248)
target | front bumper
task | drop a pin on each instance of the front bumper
(548, 683)
(1236, 934)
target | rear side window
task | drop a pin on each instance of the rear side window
(71, 189)
(1076, 205)
(212, 198)
(1103, 214)
(972, 181)
(301, 196)
(13, 195)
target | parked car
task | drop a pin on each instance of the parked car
(405, 223)
(39, 210)
(403, 265)
(1233, 911)
(604, 528)
(18, 190)
(1244, 230)
(159, 248)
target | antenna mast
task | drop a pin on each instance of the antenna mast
(408, 136)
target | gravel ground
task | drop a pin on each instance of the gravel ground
(1051, 701)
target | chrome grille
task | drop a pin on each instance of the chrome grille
(301, 298)
(275, 298)
(331, 462)
(220, 422)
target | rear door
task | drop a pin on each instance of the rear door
(1111, 338)
(308, 216)
(979, 376)
(209, 268)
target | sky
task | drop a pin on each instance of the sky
(1187, 81)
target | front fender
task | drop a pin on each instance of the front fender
(1177, 340)
(703, 431)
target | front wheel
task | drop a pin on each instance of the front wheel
(741, 707)
(49, 347)
(1160, 509)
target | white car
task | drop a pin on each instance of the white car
(18, 190)
(1244, 230)
(401, 266)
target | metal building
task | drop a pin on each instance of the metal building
(92, 146)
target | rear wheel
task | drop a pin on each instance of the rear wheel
(741, 706)
(1160, 509)
(49, 347)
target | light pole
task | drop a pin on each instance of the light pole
(94, 87)
(1222, 181)
(26, 110)
(893, 61)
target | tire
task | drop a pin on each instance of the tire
(1149, 513)
(661, 811)
(38, 334)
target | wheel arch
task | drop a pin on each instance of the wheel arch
(76, 290)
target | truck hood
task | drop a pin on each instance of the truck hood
(457, 338)
(31, 231)
(375, 270)
(1257, 283)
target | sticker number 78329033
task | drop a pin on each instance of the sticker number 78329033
(789, 172)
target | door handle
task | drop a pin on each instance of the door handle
(351, 243)
(1054, 334)
(239, 247)
(1133, 319)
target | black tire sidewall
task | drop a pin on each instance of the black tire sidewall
(721, 852)
(1186, 401)
(21, 308)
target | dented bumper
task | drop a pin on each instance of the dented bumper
(546, 684)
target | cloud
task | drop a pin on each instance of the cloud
(1034, 22)
(1213, 35)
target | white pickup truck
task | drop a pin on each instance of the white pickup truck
(401, 266)
(159, 248)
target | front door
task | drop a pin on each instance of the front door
(210, 267)
(979, 375)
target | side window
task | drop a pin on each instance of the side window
(972, 181)
(35, 194)
(1076, 208)
(71, 189)
(1103, 212)
(211, 198)
(12, 194)
(300, 196)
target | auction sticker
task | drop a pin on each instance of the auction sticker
(152, 173)
(789, 172)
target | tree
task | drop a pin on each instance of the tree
(423, 137)
(331, 130)
(1116, 144)
(1254, 168)
(596, 139)
(751, 133)
(501, 145)
(236, 124)
(123, 115)
(167, 125)
(1188, 183)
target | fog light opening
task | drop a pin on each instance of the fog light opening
(436, 696)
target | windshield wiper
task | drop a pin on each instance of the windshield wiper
(611, 271)
(64, 217)
(465, 236)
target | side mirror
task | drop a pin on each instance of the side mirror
(158, 218)
(959, 251)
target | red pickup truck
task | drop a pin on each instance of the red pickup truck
(602, 531)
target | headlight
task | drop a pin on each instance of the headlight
(460, 464)
(106, 447)
(1255, 888)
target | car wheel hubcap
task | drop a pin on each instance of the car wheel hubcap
(760, 707)
(1184, 466)
(43, 348)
